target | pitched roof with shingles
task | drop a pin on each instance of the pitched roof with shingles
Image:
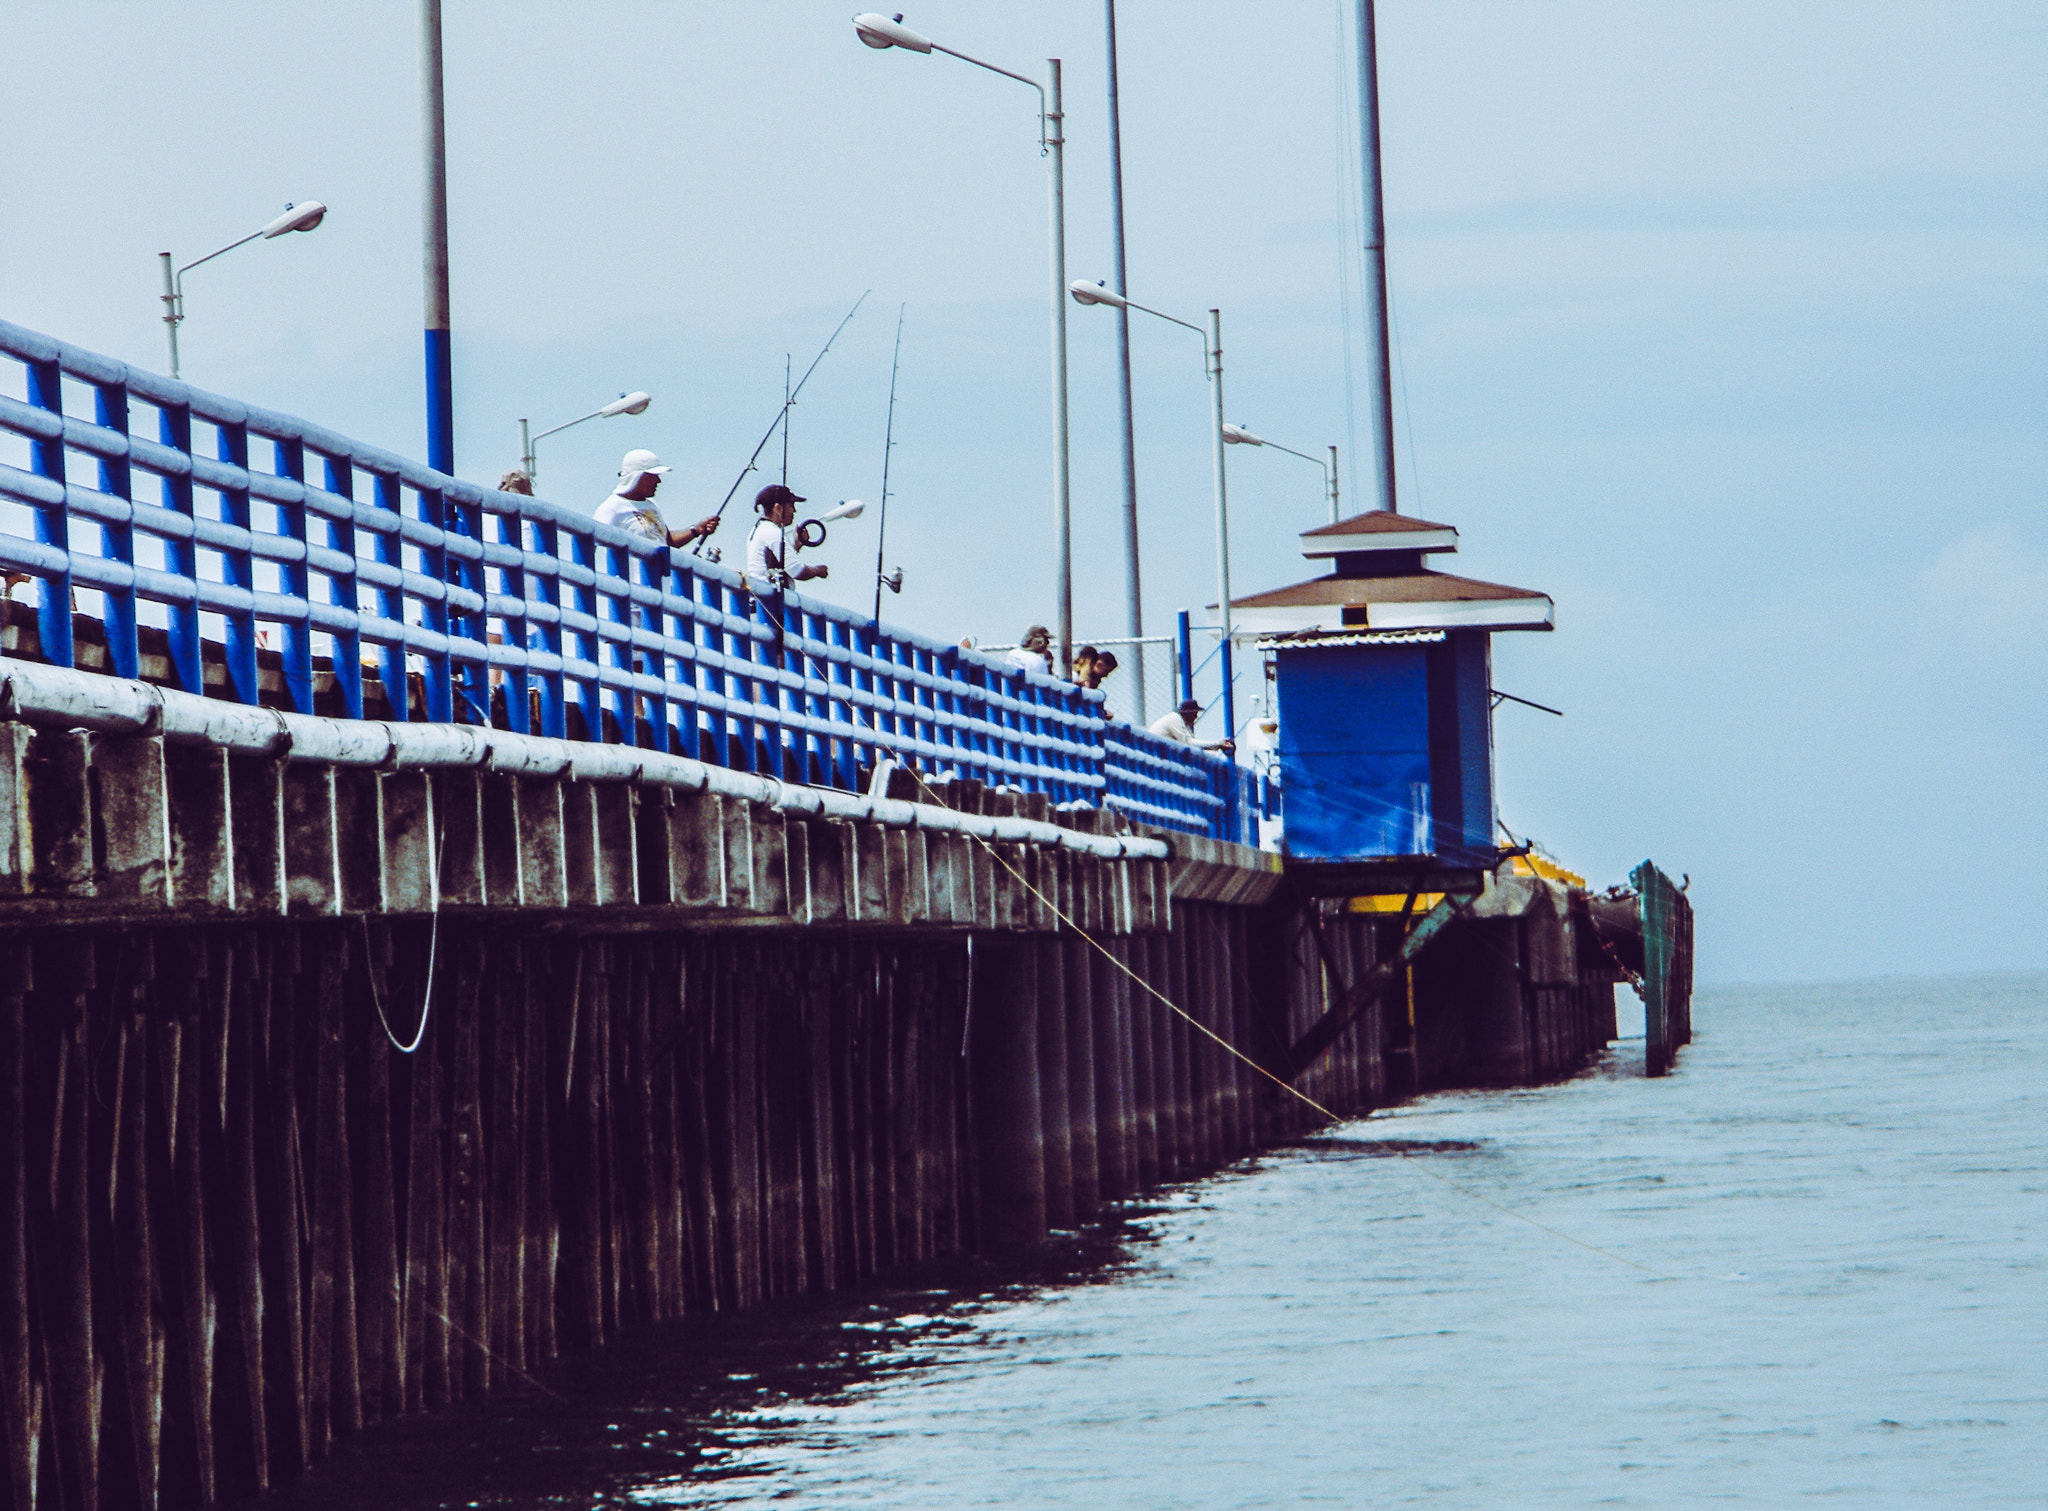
(1375, 522)
(1422, 587)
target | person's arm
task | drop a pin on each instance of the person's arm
(805, 574)
(703, 527)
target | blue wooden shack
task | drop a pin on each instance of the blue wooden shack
(1383, 675)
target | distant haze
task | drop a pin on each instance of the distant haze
(1723, 323)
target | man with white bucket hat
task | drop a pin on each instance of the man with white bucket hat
(631, 505)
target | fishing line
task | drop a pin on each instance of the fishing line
(438, 851)
(398, 1295)
(1285, 1086)
(1407, 409)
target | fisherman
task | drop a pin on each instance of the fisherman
(631, 505)
(1034, 654)
(1100, 665)
(773, 544)
(1179, 727)
(1084, 663)
(516, 481)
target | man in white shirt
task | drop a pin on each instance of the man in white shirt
(773, 546)
(1179, 727)
(1035, 653)
(631, 508)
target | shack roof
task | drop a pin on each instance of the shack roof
(1421, 600)
(1378, 530)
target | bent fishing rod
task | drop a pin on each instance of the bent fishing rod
(697, 549)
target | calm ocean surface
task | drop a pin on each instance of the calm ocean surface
(1847, 1186)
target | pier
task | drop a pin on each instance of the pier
(456, 934)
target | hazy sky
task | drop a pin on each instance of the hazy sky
(1723, 323)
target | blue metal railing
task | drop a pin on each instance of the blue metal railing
(326, 555)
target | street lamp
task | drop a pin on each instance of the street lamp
(1237, 435)
(1085, 292)
(295, 218)
(625, 403)
(883, 32)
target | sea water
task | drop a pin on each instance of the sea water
(1810, 1266)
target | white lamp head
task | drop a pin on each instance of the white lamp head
(626, 403)
(1237, 435)
(880, 31)
(297, 218)
(1085, 292)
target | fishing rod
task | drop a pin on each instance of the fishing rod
(893, 584)
(786, 401)
(769, 434)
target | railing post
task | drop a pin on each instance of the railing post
(612, 607)
(514, 631)
(682, 606)
(339, 479)
(117, 542)
(434, 612)
(181, 557)
(578, 645)
(467, 627)
(295, 583)
(53, 521)
(238, 567)
(554, 714)
(386, 551)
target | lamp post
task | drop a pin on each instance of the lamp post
(625, 403)
(882, 32)
(295, 218)
(1237, 435)
(439, 342)
(1212, 354)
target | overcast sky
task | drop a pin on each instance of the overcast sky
(1723, 323)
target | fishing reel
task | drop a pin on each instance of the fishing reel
(811, 532)
(893, 581)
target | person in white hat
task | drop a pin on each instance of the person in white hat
(631, 505)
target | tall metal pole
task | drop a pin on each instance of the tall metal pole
(1134, 606)
(1215, 354)
(1333, 485)
(172, 314)
(1063, 521)
(434, 233)
(1375, 259)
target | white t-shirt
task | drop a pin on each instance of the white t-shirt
(1031, 661)
(770, 549)
(1173, 727)
(634, 516)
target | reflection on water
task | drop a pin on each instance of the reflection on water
(1845, 1184)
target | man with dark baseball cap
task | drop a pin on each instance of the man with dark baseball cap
(773, 545)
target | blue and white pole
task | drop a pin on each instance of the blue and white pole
(434, 231)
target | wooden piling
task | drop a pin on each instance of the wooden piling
(1082, 1138)
(1055, 1117)
(1113, 1117)
(19, 1404)
(1009, 1115)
